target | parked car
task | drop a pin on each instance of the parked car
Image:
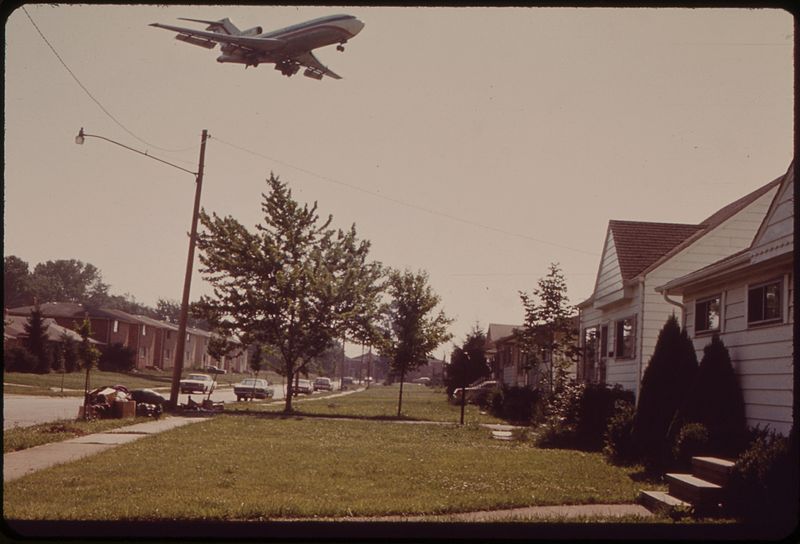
(323, 384)
(475, 393)
(424, 380)
(303, 386)
(197, 383)
(250, 388)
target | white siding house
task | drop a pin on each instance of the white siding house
(620, 322)
(748, 299)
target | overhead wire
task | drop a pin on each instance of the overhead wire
(402, 202)
(90, 95)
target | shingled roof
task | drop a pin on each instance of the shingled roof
(639, 244)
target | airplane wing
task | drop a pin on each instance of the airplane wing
(310, 61)
(249, 42)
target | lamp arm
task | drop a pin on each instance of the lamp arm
(144, 153)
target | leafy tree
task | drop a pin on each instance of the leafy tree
(35, 340)
(411, 331)
(68, 280)
(548, 328)
(665, 385)
(88, 355)
(170, 311)
(716, 400)
(468, 361)
(16, 280)
(293, 284)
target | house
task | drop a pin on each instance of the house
(620, 321)
(748, 300)
(14, 331)
(108, 326)
(494, 333)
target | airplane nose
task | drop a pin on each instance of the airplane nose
(354, 26)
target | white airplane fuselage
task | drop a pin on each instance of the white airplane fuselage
(299, 38)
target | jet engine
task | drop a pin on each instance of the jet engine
(313, 74)
(255, 31)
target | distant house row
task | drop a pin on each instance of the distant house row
(731, 274)
(153, 341)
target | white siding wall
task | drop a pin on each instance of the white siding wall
(609, 277)
(777, 234)
(761, 356)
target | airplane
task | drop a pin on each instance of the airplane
(288, 48)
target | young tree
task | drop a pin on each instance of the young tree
(467, 364)
(468, 361)
(289, 285)
(411, 329)
(665, 386)
(36, 340)
(548, 329)
(88, 355)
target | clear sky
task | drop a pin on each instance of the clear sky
(478, 144)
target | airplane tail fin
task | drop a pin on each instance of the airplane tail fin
(223, 26)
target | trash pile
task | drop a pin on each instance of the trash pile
(206, 407)
(116, 401)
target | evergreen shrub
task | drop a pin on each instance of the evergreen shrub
(693, 439)
(665, 386)
(763, 485)
(618, 444)
(716, 401)
(19, 359)
(512, 403)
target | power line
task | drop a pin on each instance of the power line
(90, 95)
(404, 203)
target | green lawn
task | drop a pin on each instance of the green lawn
(245, 467)
(20, 438)
(420, 402)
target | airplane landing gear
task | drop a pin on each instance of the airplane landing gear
(287, 68)
(340, 47)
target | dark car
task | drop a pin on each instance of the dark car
(250, 388)
(323, 384)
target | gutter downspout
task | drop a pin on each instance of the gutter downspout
(679, 305)
(640, 334)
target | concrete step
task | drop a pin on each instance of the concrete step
(661, 502)
(712, 469)
(701, 493)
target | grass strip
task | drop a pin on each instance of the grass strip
(420, 403)
(263, 468)
(20, 438)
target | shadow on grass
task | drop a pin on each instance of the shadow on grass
(298, 414)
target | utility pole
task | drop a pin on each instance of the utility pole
(177, 370)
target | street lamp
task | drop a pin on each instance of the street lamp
(184, 315)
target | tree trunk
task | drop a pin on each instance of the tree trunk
(86, 396)
(400, 400)
(289, 376)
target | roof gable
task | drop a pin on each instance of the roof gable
(639, 244)
(776, 232)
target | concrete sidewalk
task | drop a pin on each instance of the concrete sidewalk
(19, 463)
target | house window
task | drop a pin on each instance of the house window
(764, 303)
(626, 338)
(590, 346)
(116, 326)
(707, 314)
(169, 334)
(144, 353)
(144, 330)
(603, 342)
(166, 353)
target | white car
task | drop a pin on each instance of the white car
(473, 393)
(197, 383)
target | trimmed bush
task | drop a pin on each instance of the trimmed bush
(763, 485)
(116, 357)
(518, 404)
(665, 384)
(19, 359)
(618, 444)
(693, 439)
(578, 417)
